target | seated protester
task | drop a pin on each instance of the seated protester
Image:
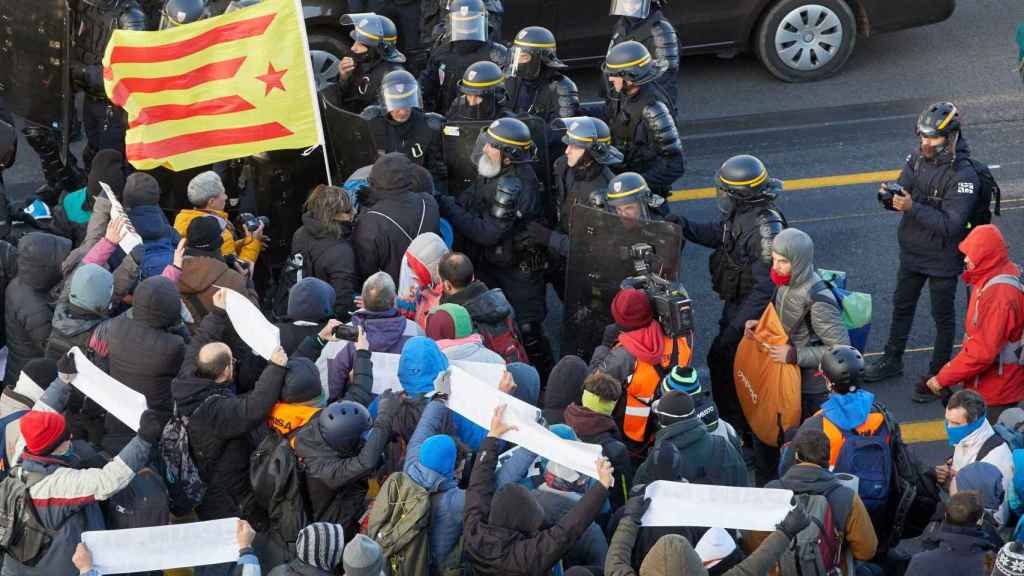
(452, 328)
(564, 386)
(66, 497)
(108, 166)
(592, 421)
(958, 546)
(525, 382)
(206, 193)
(638, 355)
(318, 548)
(362, 557)
(159, 239)
(310, 306)
(35, 379)
(986, 481)
(385, 327)
(810, 475)
(430, 461)
(325, 240)
(673, 553)
(704, 458)
(687, 379)
(502, 532)
(205, 270)
(28, 307)
(974, 440)
(419, 283)
(561, 489)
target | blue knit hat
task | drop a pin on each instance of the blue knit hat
(564, 431)
(311, 300)
(527, 381)
(438, 454)
(419, 365)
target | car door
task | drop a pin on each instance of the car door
(712, 25)
(584, 28)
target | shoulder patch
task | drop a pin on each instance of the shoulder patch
(965, 188)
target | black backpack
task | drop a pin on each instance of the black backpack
(176, 463)
(22, 534)
(279, 485)
(141, 504)
(988, 192)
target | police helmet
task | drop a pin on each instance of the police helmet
(632, 61)
(341, 423)
(180, 12)
(399, 89)
(376, 32)
(630, 8)
(843, 366)
(467, 21)
(629, 188)
(939, 119)
(239, 4)
(539, 43)
(511, 137)
(484, 77)
(593, 135)
(744, 178)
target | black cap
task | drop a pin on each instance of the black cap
(302, 382)
(204, 236)
(674, 407)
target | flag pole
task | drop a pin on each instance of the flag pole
(313, 92)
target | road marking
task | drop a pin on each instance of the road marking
(923, 431)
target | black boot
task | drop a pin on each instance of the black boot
(884, 368)
(60, 177)
(922, 393)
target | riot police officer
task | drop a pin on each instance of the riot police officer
(434, 26)
(180, 12)
(490, 215)
(467, 43)
(630, 198)
(741, 262)
(482, 94)
(373, 54)
(400, 125)
(643, 21)
(536, 85)
(640, 117)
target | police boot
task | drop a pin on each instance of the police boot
(60, 177)
(538, 349)
(888, 366)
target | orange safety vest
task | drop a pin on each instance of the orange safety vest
(644, 383)
(835, 436)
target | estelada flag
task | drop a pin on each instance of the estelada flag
(216, 89)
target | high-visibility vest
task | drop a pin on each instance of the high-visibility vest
(836, 440)
(644, 383)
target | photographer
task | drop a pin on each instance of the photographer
(206, 193)
(937, 194)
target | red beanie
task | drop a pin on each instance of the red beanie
(440, 325)
(631, 309)
(43, 431)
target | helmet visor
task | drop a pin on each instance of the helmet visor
(399, 95)
(368, 31)
(467, 26)
(631, 8)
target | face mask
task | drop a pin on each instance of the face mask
(487, 168)
(779, 279)
(725, 203)
(956, 434)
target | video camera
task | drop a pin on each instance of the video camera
(671, 304)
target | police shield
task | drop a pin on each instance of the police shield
(34, 52)
(600, 258)
(548, 139)
(458, 139)
(349, 139)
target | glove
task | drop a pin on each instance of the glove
(151, 427)
(66, 367)
(676, 219)
(611, 335)
(635, 508)
(539, 233)
(387, 405)
(794, 522)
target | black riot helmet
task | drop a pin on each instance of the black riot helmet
(593, 135)
(180, 12)
(626, 189)
(536, 46)
(467, 21)
(239, 4)
(484, 77)
(632, 61)
(631, 8)
(743, 180)
(843, 367)
(511, 137)
(376, 32)
(343, 423)
(399, 89)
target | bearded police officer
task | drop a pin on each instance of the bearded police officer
(482, 94)
(467, 43)
(938, 200)
(643, 21)
(640, 116)
(741, 263)
(536, 84)
(491, 215)
(400, 125)
(372, 56)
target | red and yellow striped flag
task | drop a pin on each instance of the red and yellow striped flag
(217, 89)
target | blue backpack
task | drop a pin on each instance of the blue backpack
(867, 454)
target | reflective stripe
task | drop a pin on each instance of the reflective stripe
(754, 182)
(639, 62)
(533, 45)
(606, 139)
(520, 143)
(616, 195)
(641, 411)
(948, 118)
(484, 84)
(403, 95)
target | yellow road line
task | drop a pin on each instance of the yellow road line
(800, 184)
(923, 431)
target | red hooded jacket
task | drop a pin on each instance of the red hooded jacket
(1000, 319)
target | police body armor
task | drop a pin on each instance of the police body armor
(659, 37)
(412, 138)
(576, 185)
(96, 24)
(747, 237)
(446, 67)
(552, 96)
(511, 195)
(643, 128)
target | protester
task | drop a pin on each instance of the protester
(319, 549)
(206, 193)
(35, 378)
(419, 283)
(688, 379)
(592, 420)
(451, 326)
(565, 386)
(363, 557)
(204, 270)
(310, 306)
(159, 239)
(1010, 560)
(958, 546)
(325, 242)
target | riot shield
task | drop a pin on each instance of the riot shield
(548, 140)
(458, 139)
(349, 140)
(34, 45)
(599, 260)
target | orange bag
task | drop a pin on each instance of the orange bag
(769, 392)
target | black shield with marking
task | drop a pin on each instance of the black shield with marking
(34, 49)
(458, 139)
(349, 140)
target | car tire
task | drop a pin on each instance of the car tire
(332, 43)
(806, 40)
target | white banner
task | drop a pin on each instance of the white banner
(251, 325)
(131, 238)
(125, 404)
(681, 504)
(163, 547)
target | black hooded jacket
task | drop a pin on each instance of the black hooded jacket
(332, 260)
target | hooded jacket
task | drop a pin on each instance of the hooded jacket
(565, 386)
(386, 331)
(310, 306)
(331, 259)
(200, 277)
(704, 458)
(953, 549)
(995, 317)
(469, 349)
(596, 428)
(28, 303)
(158, 238)
(242, 249)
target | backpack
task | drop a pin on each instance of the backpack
(278, 485)
(5, 466)
(142, 503)
(22, 534)
(400, 521)
(989, 191)
(817, 550)
(494, 319)
(868, 456)
(854, 307)
(297, 267)
(1012, 353)
(177, 466)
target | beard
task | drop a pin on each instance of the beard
(487, 168)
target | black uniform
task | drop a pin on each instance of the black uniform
(644, 129)
(658, 35)
(439, 81)
(406, 15)
(419, 138)
(574, 186)
(493, 107)
(362, 87)
(552, 95)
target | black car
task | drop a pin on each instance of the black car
(797, 40)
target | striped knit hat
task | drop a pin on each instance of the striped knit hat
(1010, 561)
(321, 545)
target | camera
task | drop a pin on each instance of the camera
(887, 193)
(251, 222)
(669, 301)
(346, 332)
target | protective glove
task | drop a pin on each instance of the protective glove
(151, 427)
(794, 522)
(444, 204)
(539, 233)
(635, 508)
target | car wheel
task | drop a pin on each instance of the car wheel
(805, 40)
(332, 43)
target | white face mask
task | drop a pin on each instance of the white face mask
(487, 168)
